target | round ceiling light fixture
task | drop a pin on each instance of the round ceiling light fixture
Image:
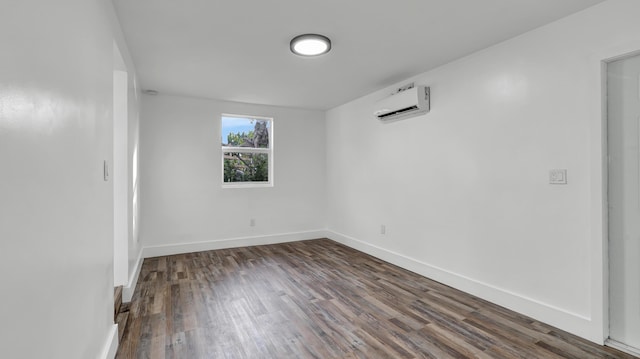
(310, 45)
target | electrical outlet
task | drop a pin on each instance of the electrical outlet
(558, 176)
(252, 222)
(383, 229)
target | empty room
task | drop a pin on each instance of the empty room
(320, 179)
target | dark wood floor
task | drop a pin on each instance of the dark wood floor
(319, 299)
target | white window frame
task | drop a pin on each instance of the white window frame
(268, 151)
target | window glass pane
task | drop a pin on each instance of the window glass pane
(245, 132)
(246, 167)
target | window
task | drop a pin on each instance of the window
(247, 151)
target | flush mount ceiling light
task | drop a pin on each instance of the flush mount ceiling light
(310, 45)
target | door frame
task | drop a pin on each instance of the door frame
(120, 169)
(604, 62)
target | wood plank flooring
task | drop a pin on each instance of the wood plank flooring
(320, 299)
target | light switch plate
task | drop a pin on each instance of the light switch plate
(558, 176)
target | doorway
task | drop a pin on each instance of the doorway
(623, 146)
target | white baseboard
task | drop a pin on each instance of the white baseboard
(622, 347)
(111, 344)
(560, 318)
(129, 289)
(179, 248)
(547, 313)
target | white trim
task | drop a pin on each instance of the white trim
(604, 59)
(224, 114)
(130, 288)
(622, 347)
(247, 185)
(599, 221)
(227, 149)
(179, 248)
(558, 317)
(600, 207)
(111, 344)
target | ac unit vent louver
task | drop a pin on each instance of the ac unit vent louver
(399, 112)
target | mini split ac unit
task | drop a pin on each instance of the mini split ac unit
(409, 101)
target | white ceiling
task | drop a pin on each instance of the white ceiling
(238, 50)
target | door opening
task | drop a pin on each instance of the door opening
(623, 192)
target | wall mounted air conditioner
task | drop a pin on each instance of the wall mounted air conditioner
(408, 101)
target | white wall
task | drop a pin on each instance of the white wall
(464, 192)
(56, 212)
(184, 207)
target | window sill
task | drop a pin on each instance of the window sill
(247, 185)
